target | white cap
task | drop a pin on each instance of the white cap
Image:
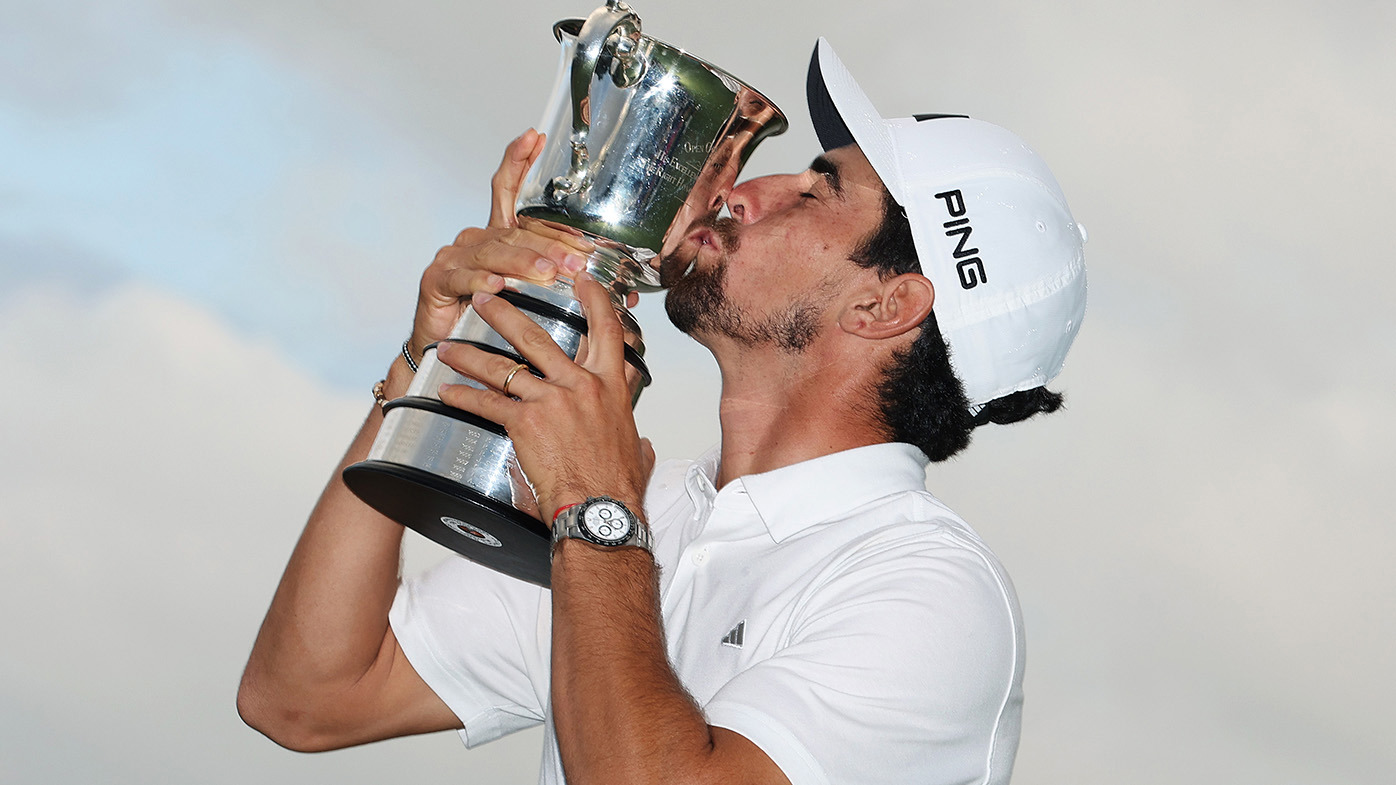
(992, 230)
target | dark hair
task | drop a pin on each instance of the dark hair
(923, 402)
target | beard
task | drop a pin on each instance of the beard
(698, 304)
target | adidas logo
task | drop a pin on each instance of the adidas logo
(736, 636)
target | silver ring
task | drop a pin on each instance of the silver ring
(517, 367)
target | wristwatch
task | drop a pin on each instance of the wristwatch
(604, 521)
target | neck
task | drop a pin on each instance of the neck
(779, 408)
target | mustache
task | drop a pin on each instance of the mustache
(727, 230)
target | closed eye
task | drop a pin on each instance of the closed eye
(829, 172)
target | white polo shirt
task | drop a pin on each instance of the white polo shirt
(833, 612)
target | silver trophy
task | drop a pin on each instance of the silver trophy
(642, 139)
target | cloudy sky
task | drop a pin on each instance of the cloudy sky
(213, 215)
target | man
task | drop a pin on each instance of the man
(818, 616)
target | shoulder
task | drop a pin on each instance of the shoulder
(928, 598)
(907, 522)
(910, 547)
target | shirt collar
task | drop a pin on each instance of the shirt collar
(701, 478)
(793, 498)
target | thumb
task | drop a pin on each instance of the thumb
(508, 178)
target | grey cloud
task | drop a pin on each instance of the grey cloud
(1200, 541)
(25, 261)
(67, 59)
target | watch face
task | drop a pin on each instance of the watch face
(607, 522)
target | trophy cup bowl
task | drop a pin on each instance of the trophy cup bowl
(643, 138)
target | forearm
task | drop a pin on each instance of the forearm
(326, 669)
(327, 623)
(621, 714)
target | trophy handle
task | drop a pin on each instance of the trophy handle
(613, 19)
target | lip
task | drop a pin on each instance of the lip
(704, 236)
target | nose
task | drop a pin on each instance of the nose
(753, 199)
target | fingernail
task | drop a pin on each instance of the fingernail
(544, 266)
(480, 298)
(443, 388)
(494, 282)
(574, 263)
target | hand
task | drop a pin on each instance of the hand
(479, 259)
(573, 430)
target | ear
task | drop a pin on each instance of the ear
(889, 308)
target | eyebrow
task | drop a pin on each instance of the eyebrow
(830, 171)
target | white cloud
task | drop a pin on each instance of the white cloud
(156, 472)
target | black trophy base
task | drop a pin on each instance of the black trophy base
(474, 525)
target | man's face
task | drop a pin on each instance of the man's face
(766, 275)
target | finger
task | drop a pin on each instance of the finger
(632, 299)
(509, 177)
(516, 253)
(564, 234)
(494, 370)
(605, 336)
(487, 403)
(532, 342)
(556, 242)
(457, 282)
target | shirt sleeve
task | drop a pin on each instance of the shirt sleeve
(481, 641)
(903, 667)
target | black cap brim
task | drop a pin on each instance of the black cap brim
(829, 126)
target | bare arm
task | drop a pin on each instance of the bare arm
(621, 714)
(326, 670)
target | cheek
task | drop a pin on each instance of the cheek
(778, 246)
(778, 258)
